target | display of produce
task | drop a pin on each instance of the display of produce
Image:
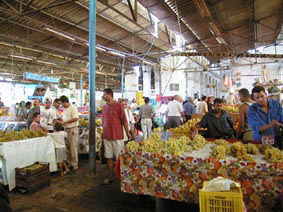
(186, 129)
(174, 145)
(219, 152)
(20, 135)
(273, 155)
(84, 122)
(231, 108)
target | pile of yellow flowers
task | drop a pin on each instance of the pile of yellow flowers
(20, 135)
(174, 146)
(185, 129)
(230, 109)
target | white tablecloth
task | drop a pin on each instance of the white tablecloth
(19, 154)
(58, 139)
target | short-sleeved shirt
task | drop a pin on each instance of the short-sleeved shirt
(175, 108)
(70, 113)
(221, 127)
(258, 118)
(189, 109)
(113, 119)
(202, 107)
(146, 111)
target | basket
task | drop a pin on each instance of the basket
(231, 201)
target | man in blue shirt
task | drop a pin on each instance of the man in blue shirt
(265, 117)
(189, 109)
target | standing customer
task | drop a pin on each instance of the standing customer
(70, 123)
(130, 117)
(175, 112)
(48, 116)
(243, 129)
(265, 117)
(202, 107)
(34, 109)
(189, 108)
(114, 123)
(146, 114)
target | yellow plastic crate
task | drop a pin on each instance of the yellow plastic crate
(221, 201)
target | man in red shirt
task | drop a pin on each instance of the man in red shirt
(114, 120)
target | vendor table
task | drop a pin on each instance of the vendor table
(180, 177)
(18, 154)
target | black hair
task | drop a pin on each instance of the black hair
(64, 99)
(258, 89)
(244, 92)
(108, 91)
(28, 104)
(218, 101)
(203, 98)
(34, 115)
(56, 100)
(146, 100)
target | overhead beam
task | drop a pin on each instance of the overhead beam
(227, 55)
(10, 6)
(133, 11)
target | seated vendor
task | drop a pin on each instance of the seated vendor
(265, 117)
(35, 125)
(217, 122)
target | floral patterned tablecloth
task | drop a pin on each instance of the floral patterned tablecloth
(179, 178)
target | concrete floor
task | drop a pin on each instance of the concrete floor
(81, 192)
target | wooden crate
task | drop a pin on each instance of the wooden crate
(32, 178)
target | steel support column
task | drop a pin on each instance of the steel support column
(92, 85)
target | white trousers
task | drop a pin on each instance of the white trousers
(146, 125)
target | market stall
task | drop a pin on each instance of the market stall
(21, 153)
(176, 169)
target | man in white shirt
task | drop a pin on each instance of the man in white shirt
(175, 112)
(47, 116)
(202, 107)
(70, 122)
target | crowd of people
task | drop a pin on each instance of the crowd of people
(260, 119)
(59, 115)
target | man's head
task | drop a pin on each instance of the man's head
(190, 99)
(146, 100)
(203, 98)
(244, 94)
(36, 117)
(107, 95)
(48, 103)
(36, 103)
(65, 101)
(28, 105)
(178, 98)
(57, 103)
(259, 95)
(124, 102)
(217, 105)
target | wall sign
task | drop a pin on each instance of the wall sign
(38, 77)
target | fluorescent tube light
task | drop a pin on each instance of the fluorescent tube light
(45, 62)
(99, 48)
(21, 57)
(60, 33)
(116, 53)
(220, 40)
